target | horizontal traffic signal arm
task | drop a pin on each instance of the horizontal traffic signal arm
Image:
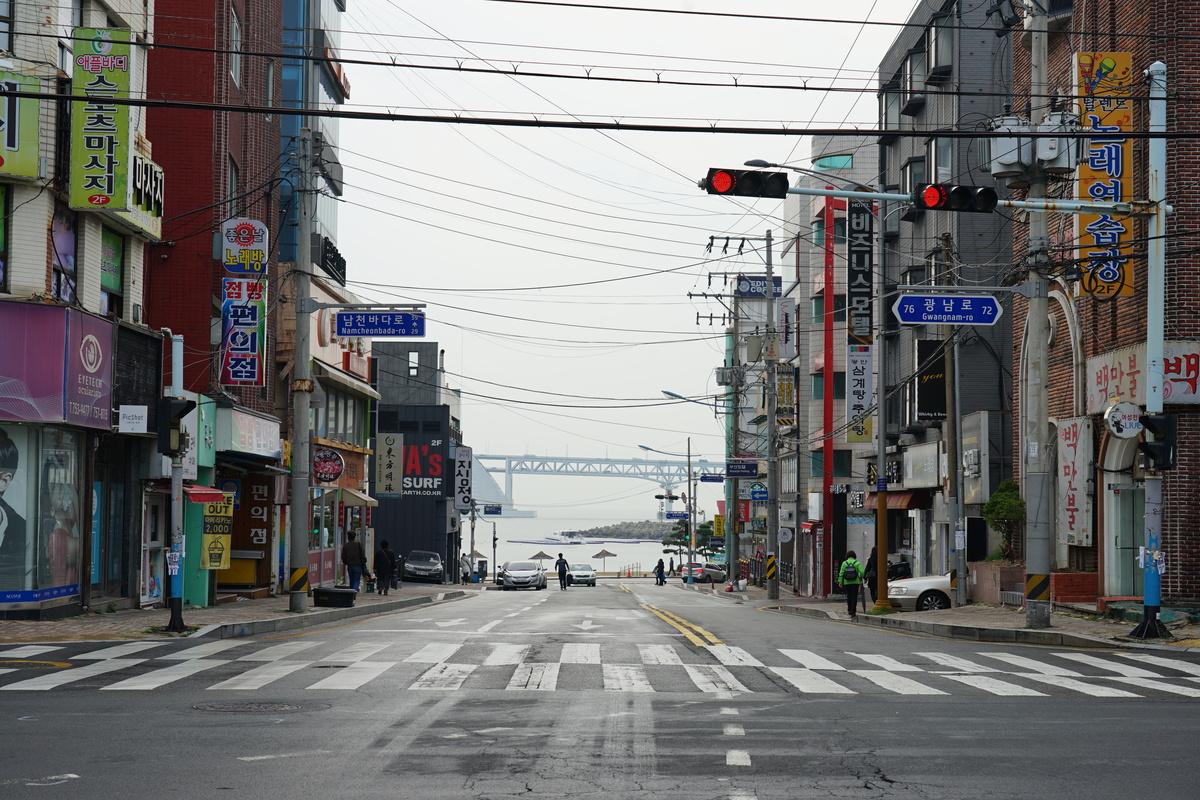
(746, 183)
(947, 197)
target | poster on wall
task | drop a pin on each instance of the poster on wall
(14, 511)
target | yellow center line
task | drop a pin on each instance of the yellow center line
(688, 629)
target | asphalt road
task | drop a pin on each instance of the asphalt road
(632, 691)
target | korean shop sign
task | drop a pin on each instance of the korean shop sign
(19, 126)
(1104, 85)
(244, 245)
(101, 135)
(243, 331)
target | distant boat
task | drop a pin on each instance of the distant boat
(557, 538)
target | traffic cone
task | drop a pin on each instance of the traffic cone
(628, 573)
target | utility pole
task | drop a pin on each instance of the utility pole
(772, 360)
(302, 386)
(1035, 401)
(950, 429)
(175, 553)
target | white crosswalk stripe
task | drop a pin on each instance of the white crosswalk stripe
(444, 676)
(261, 676)
(626, 678)
(505, 654)
(659, 654)
(886, 663)
(895, 683)
(810, 660)
(161, 677)
(1159, 686)
(1128, 670)
(996, 687)
(580, 653)
(537, 677)
(350, 655)
(434, 653)
(29, 651)
(711, 678)
(205, 650)
(1029, 665)
(955, 663)
(120, 651)
(279, 651)
(810, 682)
(1092, 689)
(354, 675)
(1159, 661)
(63, 677)
(733, 656)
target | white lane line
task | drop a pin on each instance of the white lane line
(734, 730)
(621, 678)
(286, 755)
(279, 652)
(1089, 689)
(895, 683)
(1161, 686)
(580, 653)
(353, 654)
(741, 794)
(506, 654)
(161, 677)
(488, 626)
(260, 676)
(729, 712)
(120, 651)
(205, 650)
(1110, 666)
(659, 654)
(538, 677)
(737, 758)
(810, 660)
(955, 663)
(354, 676)
(733, 656)
(1169, 663)
(43, 682)
(993, 686)
(713, 678)
(810, 682)
(444, 676)
(434, 653)
(1029, 665)
(886, 662)
(30, 650)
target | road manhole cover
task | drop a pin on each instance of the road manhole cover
(260, 708)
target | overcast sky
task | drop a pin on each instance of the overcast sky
(556, 264)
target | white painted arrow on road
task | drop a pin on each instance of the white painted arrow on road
(448, 623)
(587, 625)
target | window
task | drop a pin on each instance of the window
(63, 244)
(912, 175)
(941, 160)
(818, 309)
(818, 386)
(234, 178)
(914, 83)
(834, 162)
(891, 213)
(342, 417)
(941, 49)
(6, 23)
(842, 460)
(235, 46)
(889, 108)
(414, 363)
(839, 231)
(4, 238)
(112, 271)
(270, 87)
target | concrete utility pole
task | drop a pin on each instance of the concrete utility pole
(952, 438)
(772, 361)
(302, 387)
(1035, 405)
(175, 553)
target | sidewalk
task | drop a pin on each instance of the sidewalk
(243, 618)
(1070, 626)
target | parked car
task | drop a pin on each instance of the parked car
(703, 572)
(424, 565)
(522, 575)
(583, 574)
(930, 593)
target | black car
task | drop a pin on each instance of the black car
(424, 565)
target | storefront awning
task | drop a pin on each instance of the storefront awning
(193, 491)
(897, 500)
(351, 497)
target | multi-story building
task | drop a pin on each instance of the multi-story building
(80, 371)
(946, 72)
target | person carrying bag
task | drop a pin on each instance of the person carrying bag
(850, 574)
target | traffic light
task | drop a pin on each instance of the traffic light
(1161, 451)
(746, 183)
(944, 197)
(171, 411)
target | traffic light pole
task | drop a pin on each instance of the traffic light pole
(175, 553)
(302, 388)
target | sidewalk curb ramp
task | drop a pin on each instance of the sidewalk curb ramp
(231, 630)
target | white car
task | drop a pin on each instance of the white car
(930, 593)
(583, 574)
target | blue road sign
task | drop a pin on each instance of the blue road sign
(947, 309)
(741, 469)
(491, 510)
(712, 478)
(758, 495)
(756, 286)
(676, 515)
(380, 323)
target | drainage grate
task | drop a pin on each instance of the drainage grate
(247, 707)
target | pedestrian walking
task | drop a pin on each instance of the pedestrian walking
(660, 574)
(850, 575)
(354, 558)
(671, 569)
(385, 567)
(464, 566)
(871, 574)
(562, 566)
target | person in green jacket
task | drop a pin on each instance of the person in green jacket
(850, 575)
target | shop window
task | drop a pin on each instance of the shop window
(64, 242)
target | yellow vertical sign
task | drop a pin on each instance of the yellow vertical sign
(217, 536)
(718, 526)
(1103, 85)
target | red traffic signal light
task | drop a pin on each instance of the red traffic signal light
(944, 197)
(746, 183)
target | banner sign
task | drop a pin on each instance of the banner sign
(785, 395)
(388, 471)
(243, 331)
(859, 274)
(462, 478)
(19, 126)
(101, 135)
(859, 393)
(1074, 468)
(1104, 84)
(244, 246)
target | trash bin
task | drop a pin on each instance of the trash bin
(333, 598)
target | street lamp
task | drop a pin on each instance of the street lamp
(689, 502)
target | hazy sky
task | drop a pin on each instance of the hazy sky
(556, 264)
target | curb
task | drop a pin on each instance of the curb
(231, 630)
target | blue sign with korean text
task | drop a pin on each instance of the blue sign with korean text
(741, 469)
(712, 478)
(676, 515)
(491, 510)
(756, 286)
(380, 323)
(947, 309)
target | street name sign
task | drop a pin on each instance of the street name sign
(712, 478)
(490, 510)
(741, 469)
(380, 323)
(676, 515)
(947, 309)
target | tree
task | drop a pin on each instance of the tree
(677, 541)
(1005, 513)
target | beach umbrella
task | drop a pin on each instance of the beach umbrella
(540, 554)
(603, 554)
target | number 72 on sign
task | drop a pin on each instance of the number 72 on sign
(947, 309)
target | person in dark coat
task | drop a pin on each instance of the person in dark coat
(385, 567)
(562, 567)
(660, 574)
(871, 574)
